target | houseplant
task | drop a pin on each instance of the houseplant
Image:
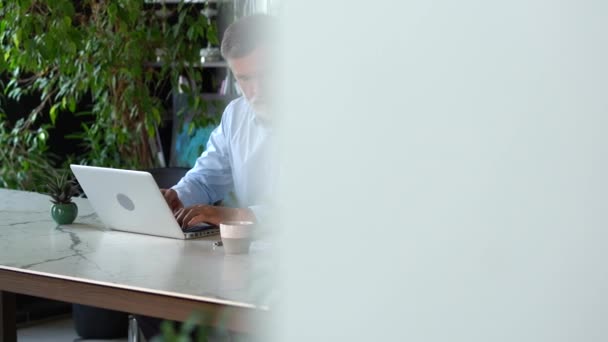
(61, 188)
(65, 52)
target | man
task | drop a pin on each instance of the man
(238, 154)
(238, 151)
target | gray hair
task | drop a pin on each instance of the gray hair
(246, 34)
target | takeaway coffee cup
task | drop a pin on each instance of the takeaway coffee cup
(236, 236)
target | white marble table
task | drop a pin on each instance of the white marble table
(150, 275)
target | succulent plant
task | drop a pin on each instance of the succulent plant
(61, 187)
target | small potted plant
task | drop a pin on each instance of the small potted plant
(62, 188)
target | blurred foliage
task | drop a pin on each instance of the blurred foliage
(200, 327)
(23, 155)
(183, 333)
(64, 50)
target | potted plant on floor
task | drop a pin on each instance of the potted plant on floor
(97, 59)
(61, 188)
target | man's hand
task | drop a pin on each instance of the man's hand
(187, 217)
(172, 199)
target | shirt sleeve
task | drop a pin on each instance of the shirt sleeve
(210, 179)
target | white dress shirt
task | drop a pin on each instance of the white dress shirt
(237, 159)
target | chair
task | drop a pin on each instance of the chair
(167, 177)
(96, 323)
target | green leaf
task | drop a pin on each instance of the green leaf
(191, 127)
(53, 113)
(191, 32)
(42, 136)
(112, 9)
(72, 104)
(16, 40)
(212, 35)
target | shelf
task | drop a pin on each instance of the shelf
(218, 64)
(218, 97)
(175, 2)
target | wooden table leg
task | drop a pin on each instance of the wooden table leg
(8, 323)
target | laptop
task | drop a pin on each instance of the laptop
(131, 201)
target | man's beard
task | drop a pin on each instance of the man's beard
(263, 115)
(262, 111)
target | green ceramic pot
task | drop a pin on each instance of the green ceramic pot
(64, 213)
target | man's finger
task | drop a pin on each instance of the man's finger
(189, 216)
(196, 220)
(179, 215)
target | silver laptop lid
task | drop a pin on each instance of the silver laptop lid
(128, 200)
